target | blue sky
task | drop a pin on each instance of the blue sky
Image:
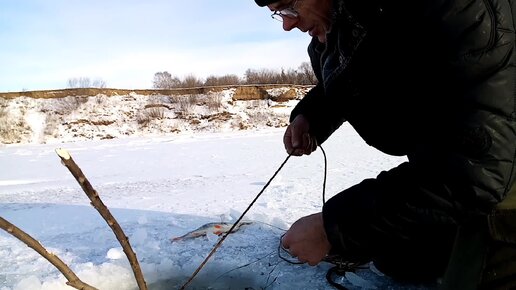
(44, 43)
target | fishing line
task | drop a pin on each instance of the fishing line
(234, 225)
(243, 266)
(248, 208)
(269, 276)
(259, 259)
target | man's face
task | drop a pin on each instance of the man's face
(313, 16)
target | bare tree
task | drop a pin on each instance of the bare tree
(99, 83)
(191, 81)
(263, 76)
(307, 74)
(81, 82)
(85, 82)
(164, 80)
(304, 75)
(229, 79)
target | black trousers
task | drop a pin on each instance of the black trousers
(390, 221)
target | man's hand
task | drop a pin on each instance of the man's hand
(306, 239)
(297, 139)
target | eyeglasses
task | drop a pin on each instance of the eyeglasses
(289, 12)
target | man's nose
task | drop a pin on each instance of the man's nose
(289, 23)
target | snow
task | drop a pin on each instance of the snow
(40, 120)
(162, 187)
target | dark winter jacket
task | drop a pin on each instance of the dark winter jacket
(434, 80)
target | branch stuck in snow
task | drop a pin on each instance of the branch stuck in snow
(97, 203)
(73, 280)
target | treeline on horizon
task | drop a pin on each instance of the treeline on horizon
(303, 75)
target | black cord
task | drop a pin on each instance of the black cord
(281, 248)
(325, 174)
(340, 267)
(329, 277)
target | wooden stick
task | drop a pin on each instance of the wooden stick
(73, 280)
(97, 203)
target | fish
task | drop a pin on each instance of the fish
(214, 228)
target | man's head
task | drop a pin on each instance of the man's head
(262, 3)
(312, 16)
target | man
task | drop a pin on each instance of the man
(433, 80)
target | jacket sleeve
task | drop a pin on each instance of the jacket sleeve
(323, 120)
(323, 114)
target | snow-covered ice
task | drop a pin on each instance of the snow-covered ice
(163, 187)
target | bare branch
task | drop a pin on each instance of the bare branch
(97, 203)
(73, 280)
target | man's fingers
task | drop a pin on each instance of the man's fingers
(287, 141)
(291, 141)
(306, 143)
(297, 136)
(313, 144)
(285, 241)
(297, 140)
(289, 146)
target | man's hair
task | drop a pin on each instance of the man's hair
(262, 3)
